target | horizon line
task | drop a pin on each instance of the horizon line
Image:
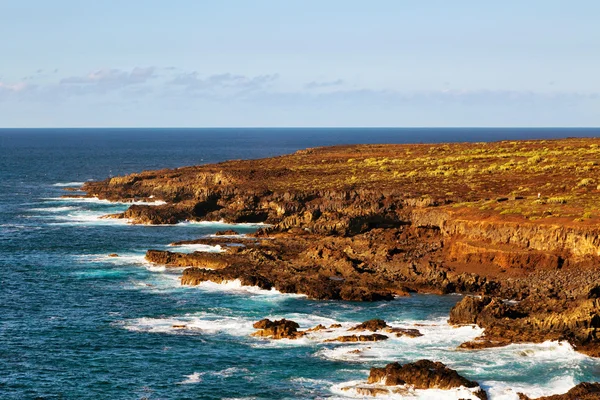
(295, 127)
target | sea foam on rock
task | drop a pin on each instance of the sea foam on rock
(423, 374)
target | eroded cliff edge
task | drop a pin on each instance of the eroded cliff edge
(515, 223)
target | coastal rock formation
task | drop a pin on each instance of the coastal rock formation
(372, 325)
(573, 314)
(227, 232)
(370, 222)
(195, 259)
(281, 329)
(359, 338)
(377, 265)
(583, 391)
(376, 325)
(423, 374)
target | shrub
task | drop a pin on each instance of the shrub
(534, 160)
(557, 200)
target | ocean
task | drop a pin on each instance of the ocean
(78, 324)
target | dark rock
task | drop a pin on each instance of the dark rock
(372, 325)
(359, 338)
(227, 232)
(423, 374)
(281, 329)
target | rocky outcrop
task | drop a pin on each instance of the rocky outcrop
(227, 232)
(379, 325)
(578, 241)
(195, 259)
(359, 338)
(377, 265)
(583, 391)
(531, 320)
(281, 329)
(423, 374)
(372, 325)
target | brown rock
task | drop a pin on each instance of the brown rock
(372, 325)
(228, 232)
(400, 332)
(316, 328)
(368, 222)
(113, 255)
(281, 329)
(359, 338)
(423, 374)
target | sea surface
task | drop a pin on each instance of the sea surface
(77, 324)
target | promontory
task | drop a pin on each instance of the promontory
(513, 225)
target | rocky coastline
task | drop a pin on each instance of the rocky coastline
(514, 226)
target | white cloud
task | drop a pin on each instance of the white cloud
(222, 85)
(15, 87)
(326, 84)
(112, 77)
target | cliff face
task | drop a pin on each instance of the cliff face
(510, 220)
(570, 240)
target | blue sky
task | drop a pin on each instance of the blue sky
(194, 63)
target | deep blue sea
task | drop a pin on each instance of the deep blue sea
(77, 324)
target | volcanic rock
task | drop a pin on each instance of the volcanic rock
(281, 329)
(228, 232)
(372, 325)
(423, 374)
(359, 338)
(371, 222)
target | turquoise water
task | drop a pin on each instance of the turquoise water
(76, 324)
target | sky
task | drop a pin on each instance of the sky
(299, 63)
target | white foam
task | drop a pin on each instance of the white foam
(407, 392)
(103, 201)
(310, 381)
(68, 184)
(228, 372)
(561, 355)
(235, 286)
(203, 323)
(509, 390)
(87, 218)
(196, 377)
(206, 248)
(121, 259)
(55, 209)
(439, 342)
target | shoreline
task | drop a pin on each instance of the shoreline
(368, 228)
